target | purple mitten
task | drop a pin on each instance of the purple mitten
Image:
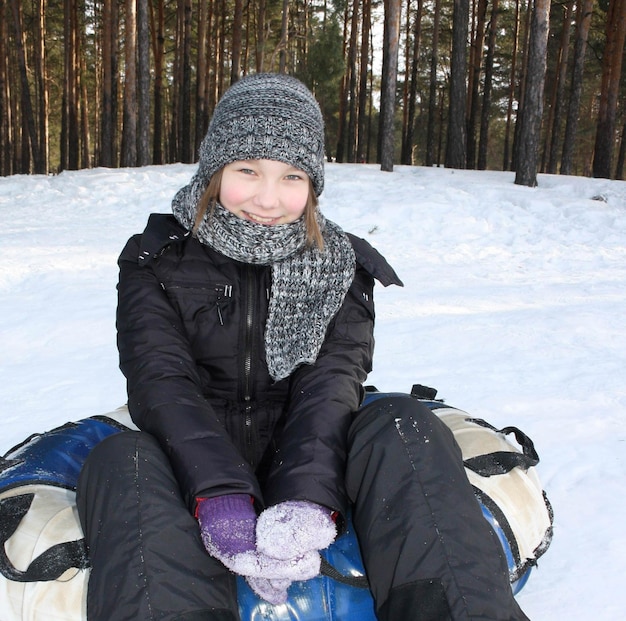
(290, 529)
(227, 525)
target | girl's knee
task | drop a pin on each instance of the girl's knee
(120, 445)
(390, 411)
(115, 455)
(393, 421)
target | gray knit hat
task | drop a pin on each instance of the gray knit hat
(262, 116)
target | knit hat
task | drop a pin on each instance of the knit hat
(262, 116)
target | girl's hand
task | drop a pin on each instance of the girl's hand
(227, 527)
(294, 528)
(227, 524)
(272, 591)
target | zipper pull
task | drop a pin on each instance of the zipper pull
(219, 313)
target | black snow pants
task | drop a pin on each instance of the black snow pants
(148, 562)
(429, 553)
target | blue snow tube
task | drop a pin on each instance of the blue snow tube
(55, 459)
(43, 461)
(344, 597)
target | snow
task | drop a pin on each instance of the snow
(513, 308)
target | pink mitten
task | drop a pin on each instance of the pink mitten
(290, 529)
(272, 591)
(255, 564)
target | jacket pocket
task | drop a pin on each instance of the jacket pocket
(200, 302)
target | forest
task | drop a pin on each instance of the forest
(530, 86)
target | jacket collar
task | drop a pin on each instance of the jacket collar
(161, 231)
(374, 262)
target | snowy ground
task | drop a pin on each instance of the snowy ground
(513, 307)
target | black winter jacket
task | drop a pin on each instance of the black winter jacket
(190, 335)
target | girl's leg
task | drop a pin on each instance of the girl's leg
(429, 553)
(148, 561)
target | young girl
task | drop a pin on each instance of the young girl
(245, 330)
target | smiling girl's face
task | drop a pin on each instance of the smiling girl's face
(264, 191)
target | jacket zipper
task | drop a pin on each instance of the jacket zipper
(247, 360)
(228, 292)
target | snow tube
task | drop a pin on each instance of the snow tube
(43, 562)
(44, 566)
(505, 482)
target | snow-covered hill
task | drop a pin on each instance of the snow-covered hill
(513, 307)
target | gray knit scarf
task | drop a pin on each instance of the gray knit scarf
(308, 285)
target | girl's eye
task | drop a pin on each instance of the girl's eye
(293, 177)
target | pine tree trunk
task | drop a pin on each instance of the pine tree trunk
(343, 97)
(483, 145)
(235, 67)
(366, 28)
(433, 113)
(67, 76)
(201, 77)
(42, 87)
(555, 118)
(411, 89)
(352, 72)
(389, 81)
(73, 133)
(260, 37)
(5, 108)
(28, 118)
(506, 160)
(407, 72)
(457, 138)
(85, 135)
(611, 73)
(583, 22)
(284, 35)
(529, 134)
(159, 43)
(210, 88)
(106, 119)
(220, 20)
(188, 155)
(521, 87)
(129, 128)
(143, 84)
(476, 57)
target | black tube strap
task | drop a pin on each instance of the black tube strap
(501, 462)
(326, 569)
(47, 566)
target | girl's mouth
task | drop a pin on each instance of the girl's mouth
(260, 219)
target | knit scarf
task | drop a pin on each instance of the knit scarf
(308, 285)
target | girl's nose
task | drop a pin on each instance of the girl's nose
(267, 195)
